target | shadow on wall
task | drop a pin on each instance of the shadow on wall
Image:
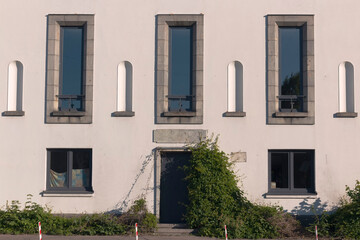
(306, 212)
(122, 205)
(306, 208)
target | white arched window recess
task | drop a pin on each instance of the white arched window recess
(14, 90)
(235, 91)
(346, 91)
(124, 90)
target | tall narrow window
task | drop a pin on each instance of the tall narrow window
(290, 69)
(235, 91)
(346, 91)
(291, 87)
(180, 68)
(15, 90)
(71, 69)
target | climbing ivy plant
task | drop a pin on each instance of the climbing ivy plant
(216, 200)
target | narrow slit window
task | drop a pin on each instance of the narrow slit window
(71, 69)
(180, 69)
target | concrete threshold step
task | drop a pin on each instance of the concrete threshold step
(173, 229)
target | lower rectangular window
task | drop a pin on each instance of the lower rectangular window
(69, 170)
(291, 171)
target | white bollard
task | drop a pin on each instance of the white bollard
(226, 233)
(40, 236)
(136, 229)
(316, 233)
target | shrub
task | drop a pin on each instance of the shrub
(14, 220)
(215, 199)
(345, 221)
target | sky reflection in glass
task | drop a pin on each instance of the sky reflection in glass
(290, 60)
(71, 63)
(180, 66)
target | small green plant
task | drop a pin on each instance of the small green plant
(215, 199)
(138, 213)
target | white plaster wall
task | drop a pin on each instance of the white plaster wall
(125, 30)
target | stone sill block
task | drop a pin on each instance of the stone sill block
(123, 114)
(291, 114)
(67, 114)
(234, 114)
(179, 114)
(345, 115)
(13, 113)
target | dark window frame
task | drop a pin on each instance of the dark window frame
(292, 97)
(61, 70)
(69, 159)
(291, 190)
(171, 96)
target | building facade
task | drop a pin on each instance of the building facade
(96, 96)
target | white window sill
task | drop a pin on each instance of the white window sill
(286, 196)
(52, 194)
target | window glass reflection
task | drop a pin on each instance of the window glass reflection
(71, 67)
(290, 48)
(302, 170)
(58, 169)
(279, 170)
(180, 67)
(81, 168)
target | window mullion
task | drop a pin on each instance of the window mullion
(70, 164)
(61, 63)
(48, 169)
(291, 171)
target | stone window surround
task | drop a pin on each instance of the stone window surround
(163, 22)
(290, 118)
(54, 23)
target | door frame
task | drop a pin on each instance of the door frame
(157, 173)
